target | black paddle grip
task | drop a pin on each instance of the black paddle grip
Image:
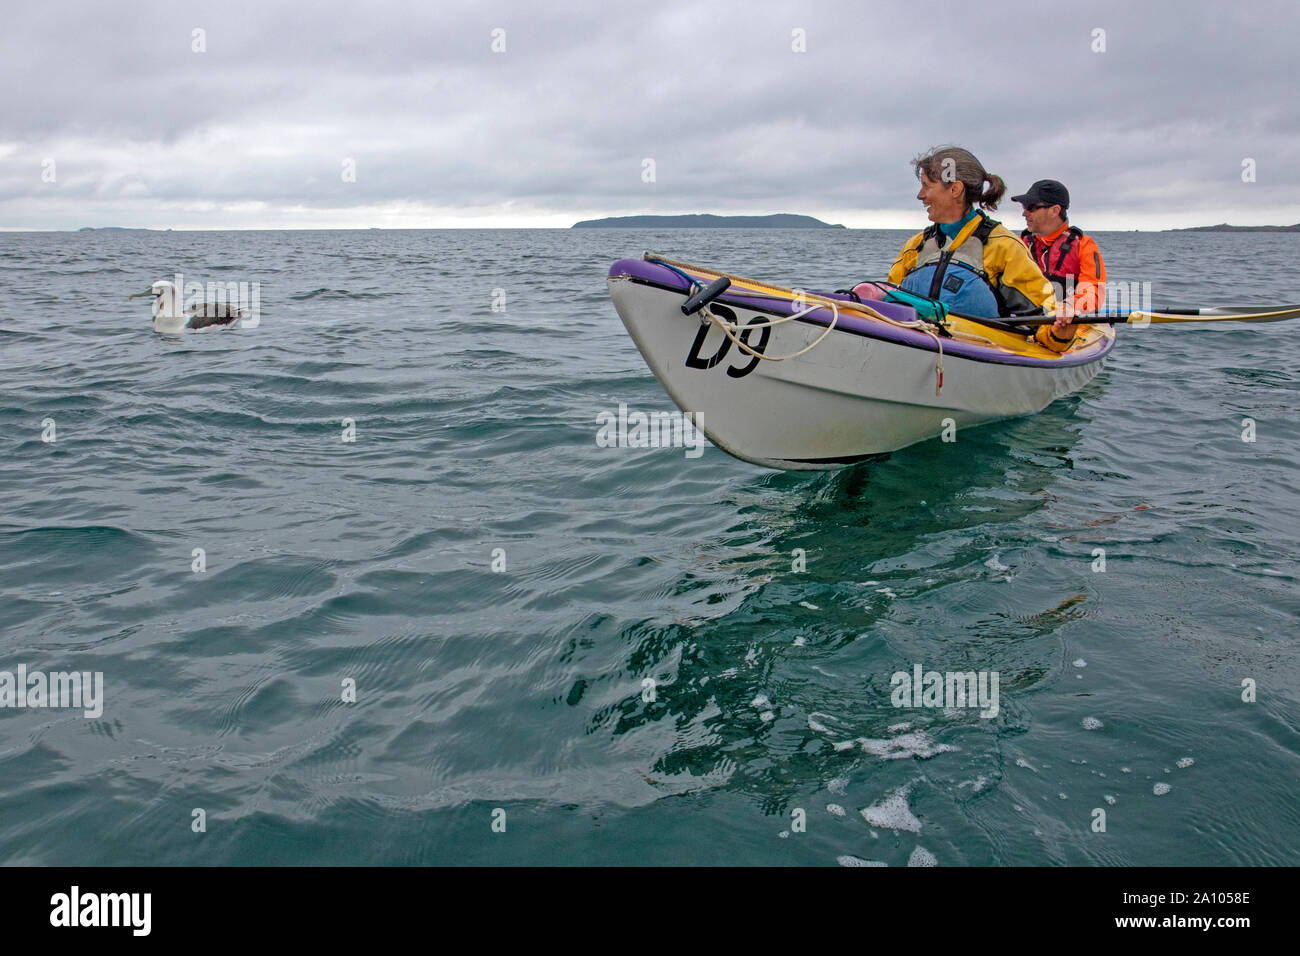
(704, 296)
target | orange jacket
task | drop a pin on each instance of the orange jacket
(1089, 281)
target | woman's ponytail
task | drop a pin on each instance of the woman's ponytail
(993, 193)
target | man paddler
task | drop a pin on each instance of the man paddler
(1069, 259)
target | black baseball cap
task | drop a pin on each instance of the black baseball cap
(1045, 192)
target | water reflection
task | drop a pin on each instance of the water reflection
(791, 682)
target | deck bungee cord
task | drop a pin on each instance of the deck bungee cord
(732, 330)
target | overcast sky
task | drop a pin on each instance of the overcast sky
(255, 131)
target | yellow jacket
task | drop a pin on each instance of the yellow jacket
(1006, 261)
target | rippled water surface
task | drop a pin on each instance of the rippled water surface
(524, 689)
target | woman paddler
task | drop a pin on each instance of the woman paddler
(969, 262)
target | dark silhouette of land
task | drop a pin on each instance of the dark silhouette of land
(707, 221)
(1224, 227)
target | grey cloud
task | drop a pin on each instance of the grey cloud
(141, 127)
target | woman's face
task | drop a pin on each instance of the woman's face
(943, 201)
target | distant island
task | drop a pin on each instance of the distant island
(115, 229)
(707, 221)
(1224, 227)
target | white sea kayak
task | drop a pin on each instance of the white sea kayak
(869, 378)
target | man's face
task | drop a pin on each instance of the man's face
(1042, 220)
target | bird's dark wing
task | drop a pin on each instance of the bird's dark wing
(203, 316)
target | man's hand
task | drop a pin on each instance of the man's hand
(1064, 313)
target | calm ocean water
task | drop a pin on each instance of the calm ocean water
(522, 689)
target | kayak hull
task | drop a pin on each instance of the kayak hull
(866, 389)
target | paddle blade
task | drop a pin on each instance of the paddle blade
(1222, 313)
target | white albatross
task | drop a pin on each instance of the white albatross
(168, 319)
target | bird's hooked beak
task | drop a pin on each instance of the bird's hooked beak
(138, 294)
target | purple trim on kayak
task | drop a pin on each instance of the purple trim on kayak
(649, 272)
